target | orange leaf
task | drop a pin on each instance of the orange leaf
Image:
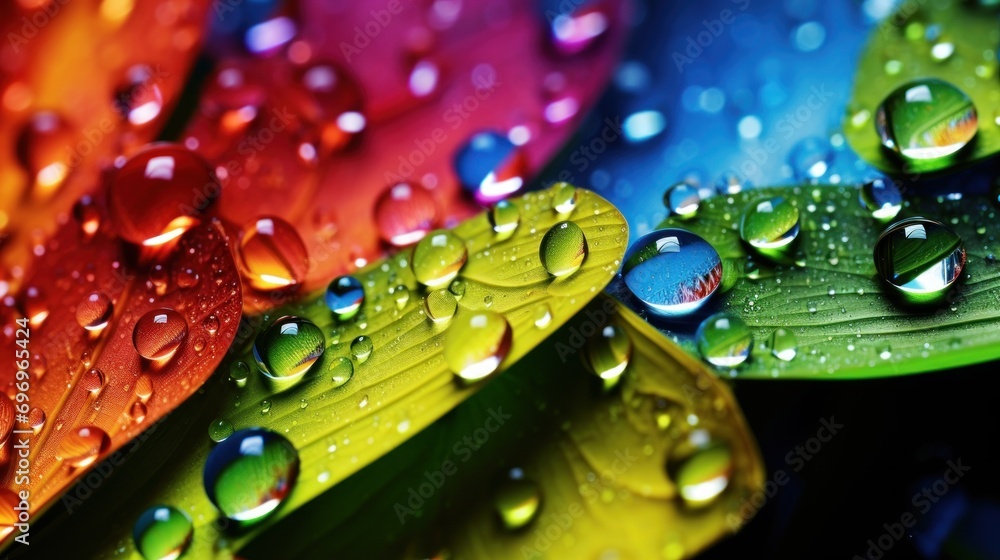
(114, 346)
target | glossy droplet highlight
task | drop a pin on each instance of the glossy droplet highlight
(564, 197)
(151, 198)
(490, 167)
(94, 311)
(250, 474)
(608, 353)
(361, 348)
(882, 198)
(673, 272)
(272, 255)
(440, 306)
(159, 334)
(919, 259)
(702, 475)
(504, 218)
(770, 225)
(784, 345)
(573, 31)
(219, 430)
(162, 533)
(926, 119)
(682, 200)
(724, 340)
(286, 350)
(345, 296)
(42, 150)
(563, 249)
(404, 214)
(476, 343)
(84, 445)
(138, 98)
(517, 501)
(341, 370)
(438, 258)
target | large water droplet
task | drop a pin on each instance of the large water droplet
(608, 354)
(673, 272)
(438, 258)
(882, 198)
(770, 225)
(724, 340)
(272, 254)
(702, 474)
(926, 119)
(404, 214)
(682, 200)
(919, 258)
(250, 474)
(490, 167)
(84, 445)
(288, 348)
(162, 533)
(159, 333)
(440, 305)
(784, 345)
(94, 311)
(160, 193)
(345, 296)
(563, 249)
(517, 501)
(476, 343)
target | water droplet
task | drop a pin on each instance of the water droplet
(42, 150)
(162, 533)
(564, 197)
(811, 158)
(265, 406)
(219, 430)
(36, 419)
(341, 370)
(404, 214)
(770, 225)
(34, 306)
(402, 296)
(542, 316)
(143, 387)
(882, 198)
(491, 167)
(239, 372)
(572, 32)
(250, 474)
(92, 380)
(84, 445)
(724, 340)
(211, 324)
(926, 119)
(438, 258)
(505, 217)
(683, 200)
(440, 306)
(608, 353)
(476, 344)
(272, 255)
(784, 345)
(563, 249)
(730, 184)
(457, 288)
(287, 349)
(94, 312)
(187, 278)
(138, 411)
(336, 101)
(150, 196)
(159, 333)
(702, 475)
(673, 272)
(86, 213)
(517, 502)
(919, 258)
(361, 348)
(345, 296)
(138, 98)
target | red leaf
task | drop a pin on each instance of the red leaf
(281, 130)
(93, 313)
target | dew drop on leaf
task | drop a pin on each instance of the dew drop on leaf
(563, 249)
(345, 296)
(926, 119)
(219, 430)
(517, 500)
(724, 340)
(272, 255)
(159, 333)
(919, 259)
(162, 533)
(361, 348)
(440, 306)
(83, 445)
(701, 474)
(608, 354)
(476, 344)
(286, 350)
(404, 214)
(94, 311)
(438, 257)
(673, 272)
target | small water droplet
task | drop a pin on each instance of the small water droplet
(440, 306)
(784, 345)
(703, 474)
(504, 217)
(83, 445)
(563, 249)
(187, 278)
(724, 340)
(564, 197)
(404, 214)
(36, 419)
(438, 258)
(361, 348)
(517, 501)
(608, 354)
(138, 411)
(476, 344)
(211, 324)
(882, 198)
(542, 316)
(219, 430)
(491, 167)
(683, 200)
(94, 311)
(341, 370)
(92, 380)
(162, 533)
(272, 255)
(287, 349)
(345, 296)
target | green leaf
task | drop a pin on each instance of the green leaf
(597, 458)
(844, 321)
(401, 388)
(899, 51)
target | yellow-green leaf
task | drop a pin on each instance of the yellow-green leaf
(400, 387)
(951, 41)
